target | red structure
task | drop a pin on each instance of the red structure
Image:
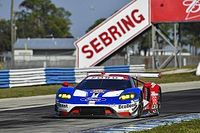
(175, 10)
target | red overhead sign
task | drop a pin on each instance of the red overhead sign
(112, 34)
(175, 10)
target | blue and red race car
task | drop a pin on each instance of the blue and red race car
(109, 94)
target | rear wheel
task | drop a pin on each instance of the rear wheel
(159, 102)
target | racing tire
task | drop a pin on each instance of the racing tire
(140, 107)
(55, 108)
(159, 102)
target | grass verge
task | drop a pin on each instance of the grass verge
(29, 91)
(183, 127)
(51, 89)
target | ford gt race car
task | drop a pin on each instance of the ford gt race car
(109, 94)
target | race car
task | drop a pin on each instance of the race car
(109, 95)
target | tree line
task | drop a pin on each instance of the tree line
(36, 19)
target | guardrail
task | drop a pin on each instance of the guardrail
(42, 76)
(4, 79)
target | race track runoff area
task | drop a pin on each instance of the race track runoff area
(177, 105)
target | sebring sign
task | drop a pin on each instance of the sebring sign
(112, 34)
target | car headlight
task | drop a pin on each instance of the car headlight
(64, 96)
(127, 96)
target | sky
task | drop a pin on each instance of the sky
(84, 12)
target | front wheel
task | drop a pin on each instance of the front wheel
(140, 107)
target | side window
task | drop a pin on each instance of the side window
(133, 82)
(136, 82)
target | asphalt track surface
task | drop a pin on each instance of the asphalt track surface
(42, 119)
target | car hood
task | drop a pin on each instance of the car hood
(97, 93)
(97, 96)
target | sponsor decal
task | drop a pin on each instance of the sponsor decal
(193, 9)
(154, 99)
(153, 93)
(125, 106)
(186, 10)
(62, 105)
(98, 91)
(93, 99)
(106, 77)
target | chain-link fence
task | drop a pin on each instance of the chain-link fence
(70, 61)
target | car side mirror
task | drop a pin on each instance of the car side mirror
(147, 85)
(65, 84)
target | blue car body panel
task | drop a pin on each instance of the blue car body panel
(100, 99)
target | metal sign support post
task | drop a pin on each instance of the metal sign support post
(153, 46)
(173, 43)
(12, 33)
(176, 46)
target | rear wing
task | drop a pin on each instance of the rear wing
(132, 74)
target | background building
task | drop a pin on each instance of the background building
(41, 52)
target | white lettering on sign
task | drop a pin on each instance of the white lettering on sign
(106, 77)
(193, 8)
(112, 34)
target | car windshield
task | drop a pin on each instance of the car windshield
(108, 84)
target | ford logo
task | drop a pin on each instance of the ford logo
(93, 99)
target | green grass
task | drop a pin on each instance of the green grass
(192, 126)
(28, 91)
(1, 65)
(172, 68)
(51, 89)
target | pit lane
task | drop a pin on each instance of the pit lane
(42, 119)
